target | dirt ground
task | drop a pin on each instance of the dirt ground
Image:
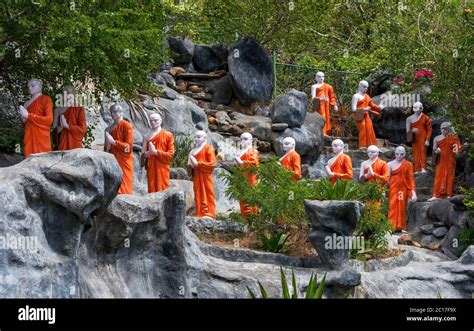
(298, 244)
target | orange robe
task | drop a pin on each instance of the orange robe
(292, 161)
(250, 159)
(446, 168)
(365, 127)
(203, 182)
(342, 168)
(380, 169)
(158, 171)
(423, 124)
(37, 137)
(72, 138)
(401, 182)
(123, 152)
(326, 91)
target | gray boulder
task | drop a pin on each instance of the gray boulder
(332, 226)
(259, 126)
(309, 138)
(290, 108)
(47, 202)
(421, 279)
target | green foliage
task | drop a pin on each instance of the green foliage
(88, 139)
(275, 243)
(373, 226)
(182, 146)
(401, 37)
(10, 139)
(465, 239)
(341, 190)
(313, 290)
(469, 199)
(110, 44)
(276, 195)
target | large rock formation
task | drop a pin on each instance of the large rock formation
(418, 274)
(251, 70)
(438, 224)
(333, 223)
(49, 199)
(290, 108)
(88, 245)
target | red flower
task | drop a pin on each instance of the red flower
(423, 73)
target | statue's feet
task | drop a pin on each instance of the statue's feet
(433, 199)
(423, 171)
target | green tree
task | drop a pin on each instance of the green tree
(108, 45)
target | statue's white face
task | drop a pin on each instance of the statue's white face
(363, 86)
(116, 114)
(246, 141)
(320, 78)
(399, 154)
(34, 87)
(155, 121)
(288, 145)
(200, 138)
(337, 147)
(417, 107)
(372, 153)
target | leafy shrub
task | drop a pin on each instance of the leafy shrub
(275, 243)
(313, 290)
(182, 146)
(466, 239)
(10, 139)
(278, 198)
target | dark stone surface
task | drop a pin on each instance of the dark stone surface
(251, 70)
(183, 50)
(205, 59)
(329, 219)
(290, 108)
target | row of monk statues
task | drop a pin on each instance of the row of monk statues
(158, 150)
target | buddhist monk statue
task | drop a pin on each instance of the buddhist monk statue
(445, 147)
(37, 116)
(374, 169)
(158, 150)
(248, 157)
(291, 159)
(339, 166)
(70, 122)
(402, 185)
(362, 105)
(202, 160)
(323, 96)
(119, 142)
(420, 126)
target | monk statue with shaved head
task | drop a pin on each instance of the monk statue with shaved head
(248, 157)
(37, 116)
(202, 161)
(158, 150)
(119, 142)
